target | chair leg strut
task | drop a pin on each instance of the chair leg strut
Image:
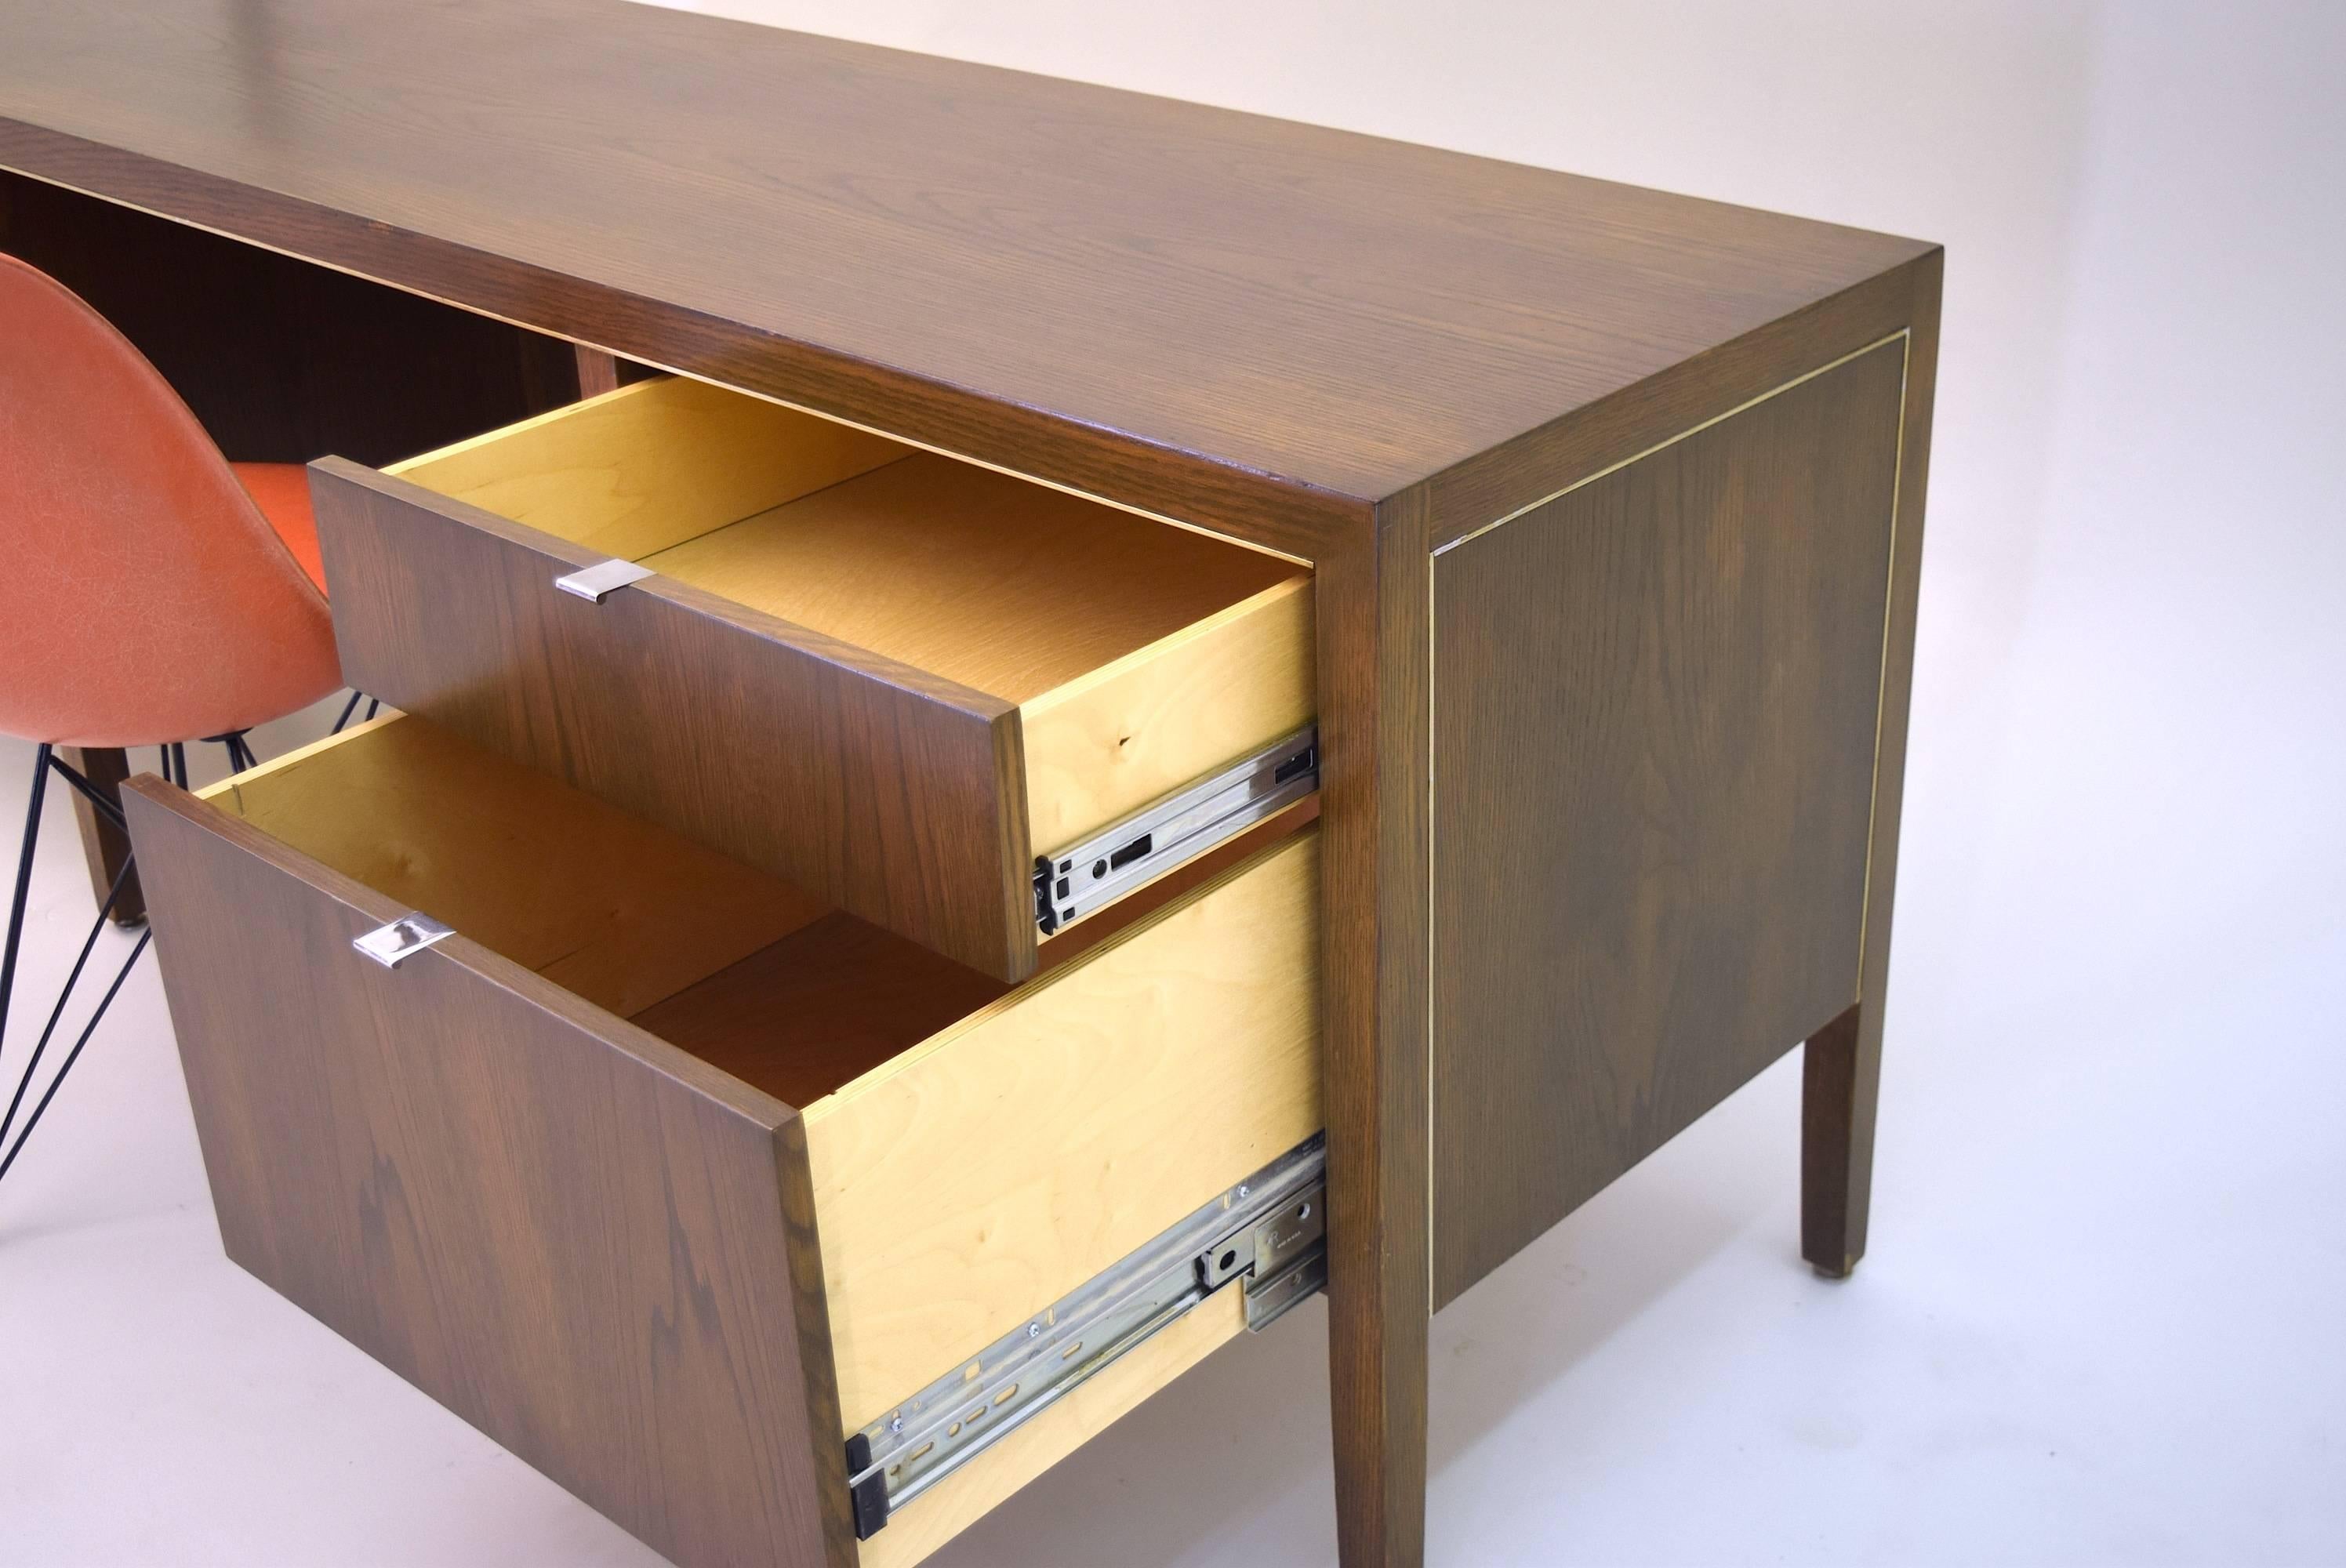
(44, 760)
(24, 883)
(74, 1055)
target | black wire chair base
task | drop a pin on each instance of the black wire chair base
(9, 1151)
(240, 755)
(374, 706)
(46, 760)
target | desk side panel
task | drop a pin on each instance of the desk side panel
(1655, 706)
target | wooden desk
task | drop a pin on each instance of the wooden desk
(1611, 504)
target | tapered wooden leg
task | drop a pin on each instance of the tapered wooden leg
(1842, 1077)
(1378, 1363)
(103, 844)
(1374, 865)
(1843, 1065)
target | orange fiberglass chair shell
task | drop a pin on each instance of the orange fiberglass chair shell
(158, 592)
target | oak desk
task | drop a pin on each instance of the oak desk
(1582, 520)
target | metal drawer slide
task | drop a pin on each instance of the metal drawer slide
(1267, 1236)
(1085, 877)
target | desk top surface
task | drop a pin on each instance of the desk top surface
(884, 235)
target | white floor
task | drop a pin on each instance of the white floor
(2101, 1320)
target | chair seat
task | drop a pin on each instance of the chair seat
(282, 491)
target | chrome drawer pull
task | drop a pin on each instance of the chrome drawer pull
(605, 577)
(402, 938)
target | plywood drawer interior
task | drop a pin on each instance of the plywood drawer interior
(1141, 654)
(976, 1151)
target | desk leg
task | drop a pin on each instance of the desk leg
(103, 844)
(1842, 1076)
(1842, 1069)
(1372, 603)
(599, 372)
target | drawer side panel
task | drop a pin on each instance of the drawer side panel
(595, 1250)
(992, 1170)
(1106, 747)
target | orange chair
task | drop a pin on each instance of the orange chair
(154, 593)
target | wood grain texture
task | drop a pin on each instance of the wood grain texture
(105, 847)
(879, 788)
(569, 1233)
(1843, 1071)
(281, 361)
(997, 1166)
(1656, 701)
(649, 465)
(1152, 296)
(609, 908)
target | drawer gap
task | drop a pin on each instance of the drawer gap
(1266, 1235)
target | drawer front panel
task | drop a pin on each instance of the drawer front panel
(594, 1248)
(890, 793)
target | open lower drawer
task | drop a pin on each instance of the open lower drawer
(906, 683)
(546, 1167)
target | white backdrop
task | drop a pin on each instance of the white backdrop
(2099, 1322)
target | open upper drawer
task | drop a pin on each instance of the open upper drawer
(966, 707)
(548, 1166)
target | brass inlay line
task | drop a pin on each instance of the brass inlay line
(1904, 338)
(1433, 566)
(1673, 441)
(1881, 680)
